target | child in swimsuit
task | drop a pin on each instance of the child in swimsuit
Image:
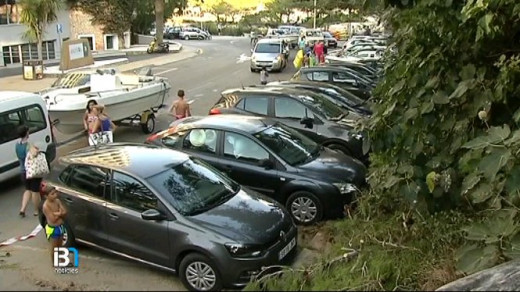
(55, 213)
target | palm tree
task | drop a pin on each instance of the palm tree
(159, 20)
(36, 15)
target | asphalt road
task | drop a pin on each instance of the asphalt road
(27, 265)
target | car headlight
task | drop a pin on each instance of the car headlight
(345, 188)
(243, 251)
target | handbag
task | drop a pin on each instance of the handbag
(36, 166)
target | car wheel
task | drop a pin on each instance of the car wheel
(340, 148)
(305, 208)
(186, 37)
(252, 70)
(200, 37)
(198, 273)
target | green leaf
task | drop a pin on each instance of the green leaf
(470, 181)
(410, 192)
(460, 90)
(513, 252)
(478, 143)
(448, 3)
(440, 97)
(492, 163)
(390, 109)
(516, 116)
(468, 72)
(481, 193)
(485, 22)
(427, 107)
(430, 181)
(499, 134)
(473, 258)
(410, 114)
(477, 232)
(513, 181)
(432, 82)
(513, 139)
(391, 181)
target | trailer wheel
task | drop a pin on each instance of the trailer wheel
(149, 125)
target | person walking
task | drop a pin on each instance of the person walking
(103, 127)
(263, 76)
(55, 213)
(319, 51)
(180, 108)
(32, 186)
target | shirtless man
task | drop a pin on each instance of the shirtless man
(180, 108)
(54, 212)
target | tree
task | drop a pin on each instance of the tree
(446, 131)
(36, 15)
(145, 13)
(159, 20)
(220, 9)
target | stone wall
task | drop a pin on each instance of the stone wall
(81, 24)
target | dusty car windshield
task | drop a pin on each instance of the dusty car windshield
(291, 145)
(324, 106)
(268, 48)
(194, 187)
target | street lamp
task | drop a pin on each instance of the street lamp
(314, 23)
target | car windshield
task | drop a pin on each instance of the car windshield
(194, 187)
(344, 95)
(322, 104)
(292, 146)
(269, 48)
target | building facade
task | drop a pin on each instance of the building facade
(81, 27)
(15, 48)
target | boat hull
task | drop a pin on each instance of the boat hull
(118, 106)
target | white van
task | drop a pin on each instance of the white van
(23, 108)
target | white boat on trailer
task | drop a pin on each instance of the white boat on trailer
(128, 98)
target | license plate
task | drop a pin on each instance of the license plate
(287, 249)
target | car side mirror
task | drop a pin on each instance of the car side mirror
(152, 215)
(266, 163)
(307, 122)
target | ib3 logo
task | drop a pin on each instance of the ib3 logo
(62, 260)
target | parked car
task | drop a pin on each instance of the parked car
(335, 75)
(23, 108)
(360, 68)
(330, 41)
(346, 99)
(193, 33)
(311, 181)
(311, 114)
(270, 54)
(163, 208)
(173, 33)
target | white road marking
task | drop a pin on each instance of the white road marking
(215, 90)
(197, 95)
(166, 71)
(243, 58)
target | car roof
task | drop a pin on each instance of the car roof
(138, 159)
(269, 41)
(249, 124)
(323, 68)
(13, 95)
(265, 89)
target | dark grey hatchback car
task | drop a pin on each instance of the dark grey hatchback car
(161, 207)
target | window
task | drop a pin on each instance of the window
(89, 180)
(257, 105)
(173, 140)
(320, 76)
(132, 194)
(241, 104)
(243, 148)
(343, 77)
(289, 108)
(64, 176)
(202, 140)
(31, 116)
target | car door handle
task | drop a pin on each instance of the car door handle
(68, 200)
(113, 216)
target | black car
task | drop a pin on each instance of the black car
(346, 98)
(311, 181)
(362, 69)
(311, 114)
(173, 33)
(330, 41)
(335, 75)
(163, 208)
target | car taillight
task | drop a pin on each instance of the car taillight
(43, 185)
(215, 111)
(153, 137)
